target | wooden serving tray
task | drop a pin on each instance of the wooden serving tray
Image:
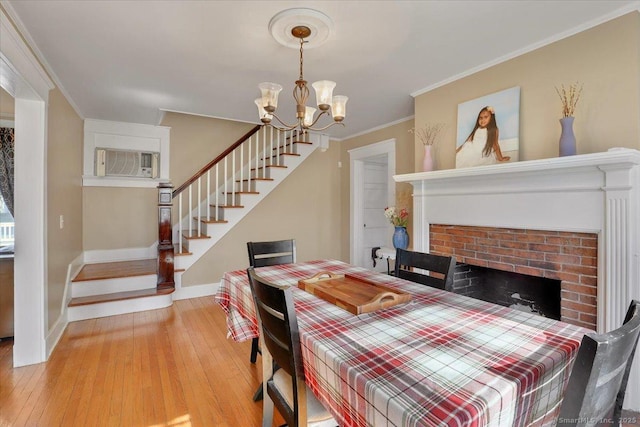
(352, 293)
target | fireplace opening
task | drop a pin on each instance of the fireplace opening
(520, 291)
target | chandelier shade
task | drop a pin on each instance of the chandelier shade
(327, 103)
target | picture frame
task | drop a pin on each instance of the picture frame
(488, 129)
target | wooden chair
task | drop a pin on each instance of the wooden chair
(262, 254)
(443, 266)
(598, 380)
(279, 330)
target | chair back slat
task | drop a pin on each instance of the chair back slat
(442, 266)
(600, 373)
(262, 254)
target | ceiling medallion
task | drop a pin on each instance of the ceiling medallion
(299, 28)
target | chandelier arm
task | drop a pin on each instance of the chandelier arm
(326, 127)
(316, 119)
(287, 126)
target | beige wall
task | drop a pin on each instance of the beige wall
(305, 207)
(64, 196)
(605, 59)
(117, 218)
(404, 164)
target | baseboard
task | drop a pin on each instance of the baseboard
(113, 255)
(195, 291)
(55, 333)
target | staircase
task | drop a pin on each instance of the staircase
(209, 205)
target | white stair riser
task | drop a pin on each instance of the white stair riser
(112, 308)
(110, 286)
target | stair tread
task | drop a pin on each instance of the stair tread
(118, 296)
(228, 206)
(255, 179)
(242, 192)
(194, 235)
(117, 269)
(212, 221)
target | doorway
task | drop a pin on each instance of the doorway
(372, 189)
(26, 81)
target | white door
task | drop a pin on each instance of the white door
(372, 189)
(375, 232)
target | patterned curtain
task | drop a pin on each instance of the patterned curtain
(7, 155)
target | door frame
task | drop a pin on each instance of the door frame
(357, 159)
(24, 78)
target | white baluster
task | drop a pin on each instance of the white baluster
(198, 203)
(189, 212)
(209, 195)
(180, 223)
(217, 190)
(271, 153)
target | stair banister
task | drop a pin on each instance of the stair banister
(165, 268)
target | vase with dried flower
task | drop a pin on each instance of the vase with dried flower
(428, 135)
(569, 97)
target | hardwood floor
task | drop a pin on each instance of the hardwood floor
(167, 367)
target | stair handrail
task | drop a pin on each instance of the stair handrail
(213, 162)
(165, 265)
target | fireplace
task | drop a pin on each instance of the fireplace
(588, 206)
(531, 294)
(569, 259)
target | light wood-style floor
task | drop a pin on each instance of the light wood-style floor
(168, 367)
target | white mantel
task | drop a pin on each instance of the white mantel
(593, 193)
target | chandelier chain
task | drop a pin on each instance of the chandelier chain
(301, 43)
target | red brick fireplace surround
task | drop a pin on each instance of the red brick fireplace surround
(575, 219)
(565, 256)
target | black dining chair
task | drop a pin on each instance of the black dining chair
(263, 254)
(279, 330)
(440, 268)
(598, 380)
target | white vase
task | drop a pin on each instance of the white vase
(427, 161)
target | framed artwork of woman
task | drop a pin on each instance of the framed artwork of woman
(488, 129)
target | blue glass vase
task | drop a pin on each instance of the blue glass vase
(400, 238)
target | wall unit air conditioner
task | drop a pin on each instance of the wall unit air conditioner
(129, 163)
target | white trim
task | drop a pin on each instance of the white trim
(55, 332)
(7, 123)
(635, 6)
(112, 181)
(195, 291)
(112, 308)
(357, 157)
(166, 110)
(377, 128)
(38, 54)
(113, 255)
(126, 136)
(20, 57)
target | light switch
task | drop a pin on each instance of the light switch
(61, 222)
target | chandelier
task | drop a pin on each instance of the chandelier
(327, 103)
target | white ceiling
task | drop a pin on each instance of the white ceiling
(127, 60)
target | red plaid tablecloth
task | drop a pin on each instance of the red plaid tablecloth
(440, 360)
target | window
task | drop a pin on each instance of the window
(7, 224)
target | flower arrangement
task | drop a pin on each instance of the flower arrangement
(395, 217)
(428, 133)
(569, 97)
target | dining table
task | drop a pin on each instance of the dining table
(440, 359)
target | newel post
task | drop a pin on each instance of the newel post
(165, 240)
